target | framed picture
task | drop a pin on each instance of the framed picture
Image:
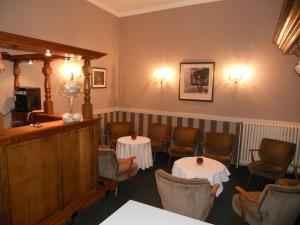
(99, 78)
(196, 81)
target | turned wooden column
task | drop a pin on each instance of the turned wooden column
(87, 107)
(17, 72)
(48, 104)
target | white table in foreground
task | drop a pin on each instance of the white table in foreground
(140, 148)
(136, 213)
(214, 171)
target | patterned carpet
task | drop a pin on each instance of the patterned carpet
(142, 188)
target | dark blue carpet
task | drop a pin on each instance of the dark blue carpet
(142, 188)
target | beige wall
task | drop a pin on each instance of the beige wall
(227, 32)
(72, 22)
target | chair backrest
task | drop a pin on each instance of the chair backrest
(119, 129)
(108, 165)
(158, 132)
(279, 204)
(185, 136)
(188, 197)
(219, 143)
(277, 152)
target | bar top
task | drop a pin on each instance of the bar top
(27, 132)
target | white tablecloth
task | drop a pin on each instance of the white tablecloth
(214, 171)
(140, 148)
(136, 213)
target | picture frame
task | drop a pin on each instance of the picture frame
(196, 81)
(99, 77)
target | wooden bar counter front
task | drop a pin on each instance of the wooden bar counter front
(49, 173)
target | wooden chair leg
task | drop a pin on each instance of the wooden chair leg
(249, 179)
(116, 192)
(154, 157)
(169, 160)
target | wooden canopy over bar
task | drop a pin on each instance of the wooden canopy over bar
(29, 44)
(37, 49)
(33, 57)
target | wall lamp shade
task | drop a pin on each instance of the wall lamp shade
(238, 73)
(163, 75)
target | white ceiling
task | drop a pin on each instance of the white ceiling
(123, 8)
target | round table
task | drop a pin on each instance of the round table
(214, 171)
(140, 148)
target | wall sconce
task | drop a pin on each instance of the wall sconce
(163, 75)
(238, 73)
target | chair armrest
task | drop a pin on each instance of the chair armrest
(254, 150)
(104, 147)
(296, 167)
(127, 159)
(243, 192)
(130, 159)
(214, 190)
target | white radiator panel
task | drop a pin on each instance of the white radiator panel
(254, 131)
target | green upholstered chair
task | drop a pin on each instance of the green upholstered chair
(184, 142)
(274, 159)
(219, 146)
(160, 135)
(275, 205)
(189, 197)
(117, 130)
(115, 169)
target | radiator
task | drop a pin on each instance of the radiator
(254, 131)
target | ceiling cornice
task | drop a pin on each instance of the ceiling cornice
(149, 9)
(104, 6)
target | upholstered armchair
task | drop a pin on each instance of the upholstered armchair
(115, 169)
(276, 205)
(219, 146)
(184, 142)
(288, 181)
(160, 137)
(274, 159)
(189, 197)
(117, 130)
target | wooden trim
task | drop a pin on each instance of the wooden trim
(33, 57)
(24, 133)
(24, 43)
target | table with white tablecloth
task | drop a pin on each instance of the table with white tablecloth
(140, 148)
(214, 171)
(136, 213)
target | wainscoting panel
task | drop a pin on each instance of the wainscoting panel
(142, 121)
